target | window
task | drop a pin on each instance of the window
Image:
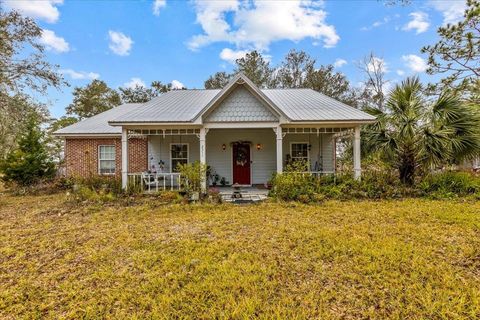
(178, 155)
(299, 151)
(106, 159)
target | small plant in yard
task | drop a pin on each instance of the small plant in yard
(192, 175)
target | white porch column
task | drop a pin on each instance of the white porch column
(356, 154)
(279, 150)
(124, 158)
(203, 156)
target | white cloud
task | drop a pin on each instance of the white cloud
(377, 63)
(400, 72)
(231, 56)
(415, 63)
(452, 10)
(80, 75)
(134, 82)
(259, 23)
(119, 43)
(53, 42)
(44, 10)
(177, 84)
(339, 63)
(377, 24)
(419, 22)
(157, 5)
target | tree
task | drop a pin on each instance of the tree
(457, 54)
(294, 69)
(141, 94)
(19, 70)
(256, 68)
(374, 84)
(93, 99)
(331, 83)
(413, 134)
(29, 163)
(218, 80)
(13, 109)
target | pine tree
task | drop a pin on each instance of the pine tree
(30, 162)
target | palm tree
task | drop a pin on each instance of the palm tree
(413, 133)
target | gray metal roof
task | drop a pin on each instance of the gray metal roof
(173, 106)
(185, 105)
(310, 105)
(98, 124)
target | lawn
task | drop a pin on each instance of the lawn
(357, 259)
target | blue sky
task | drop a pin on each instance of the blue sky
(128, 42)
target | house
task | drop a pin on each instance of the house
(242, 132)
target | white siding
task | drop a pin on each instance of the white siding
(159, 149)
(321, 152)
(263, 161)
(241, 106)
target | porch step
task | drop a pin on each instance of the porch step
(243, 195)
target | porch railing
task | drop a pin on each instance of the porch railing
(153, 182)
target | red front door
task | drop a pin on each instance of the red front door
(241, 163)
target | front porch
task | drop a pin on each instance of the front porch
(236, 154)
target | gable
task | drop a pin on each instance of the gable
(241, 106)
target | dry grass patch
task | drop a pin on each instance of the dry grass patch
(350, 260)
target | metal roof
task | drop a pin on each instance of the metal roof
(98, 124)
(173, 106)
(184, 106)
(310, 105)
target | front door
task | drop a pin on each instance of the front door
(241, 163)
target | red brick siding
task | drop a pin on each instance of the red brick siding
(81, 155)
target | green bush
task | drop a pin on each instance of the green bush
(83, 193)
(192, 175)
(450, 184)
(100, 183)
(29, 163)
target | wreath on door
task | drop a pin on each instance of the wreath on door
(241, 159)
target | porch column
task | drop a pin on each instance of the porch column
(279, 150)
(356, 154)
(203, 157)
(124, 158)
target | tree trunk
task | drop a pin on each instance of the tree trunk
(407, 167)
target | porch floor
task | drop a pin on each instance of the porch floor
(243, 194)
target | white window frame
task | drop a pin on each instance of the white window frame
(100, 160)
(170, 153)
(308, 152)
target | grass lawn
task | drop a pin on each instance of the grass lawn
(411, 259)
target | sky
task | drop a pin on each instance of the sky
(125, 43)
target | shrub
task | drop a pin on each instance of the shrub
(29, 163)
(100, 183)
(450, 184)
(83, 193)
(192, 175)
(294, 183)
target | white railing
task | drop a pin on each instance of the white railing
(153, 182)
(313, 173)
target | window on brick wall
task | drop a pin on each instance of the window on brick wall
(106, 159)
(178, 155)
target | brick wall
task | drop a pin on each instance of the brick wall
(81, 155)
